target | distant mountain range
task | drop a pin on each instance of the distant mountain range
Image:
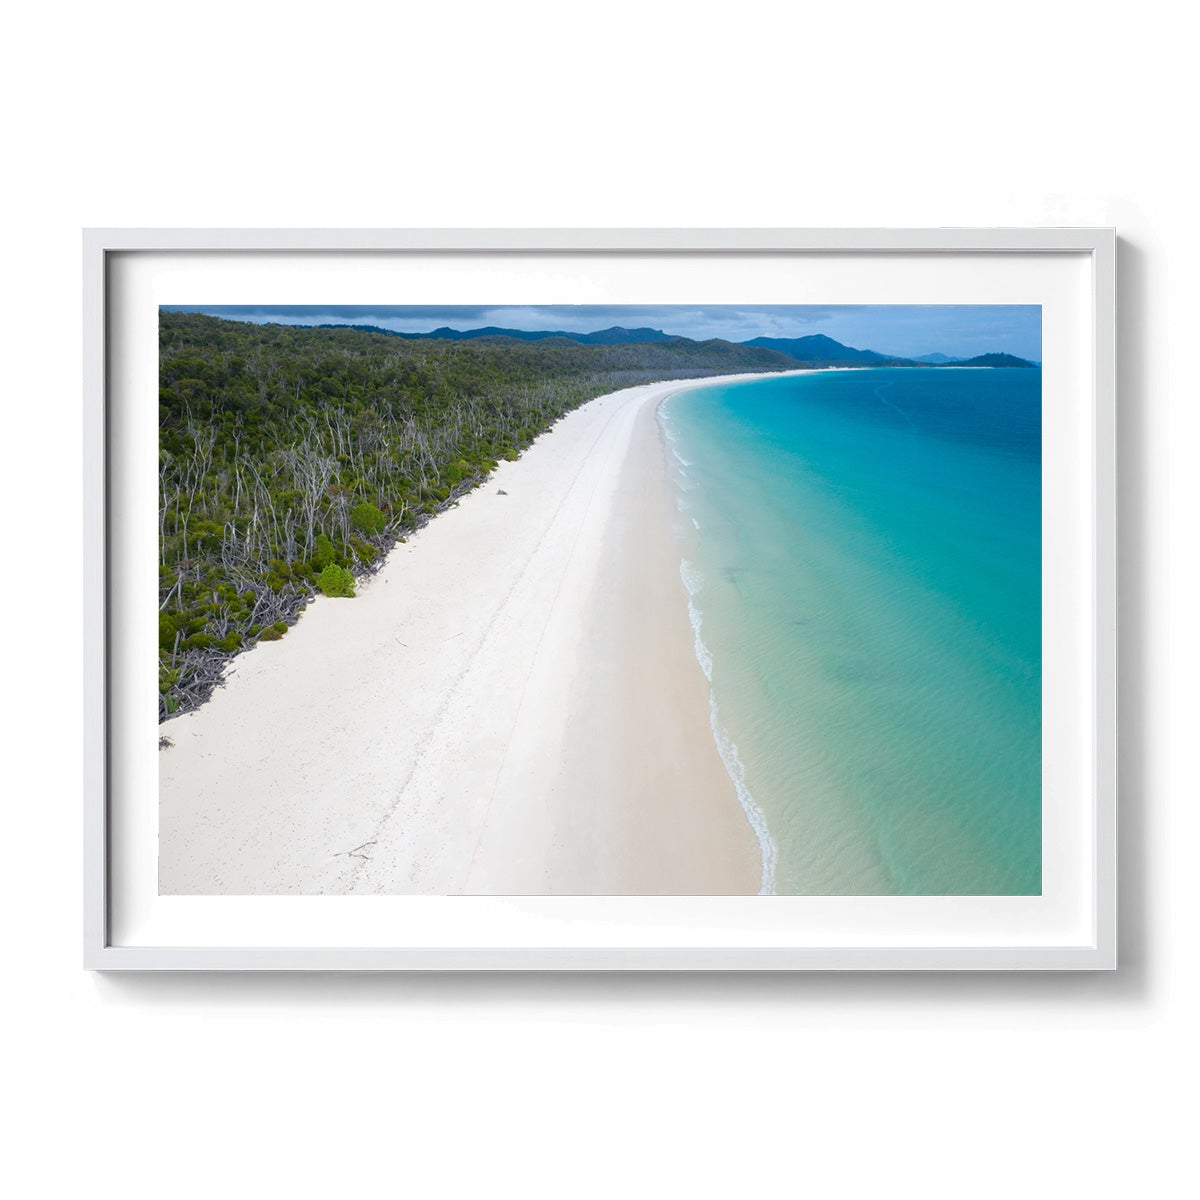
(616, 336)
(815, 350)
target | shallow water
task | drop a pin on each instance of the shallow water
(863, 553)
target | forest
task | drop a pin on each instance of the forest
(291, 459)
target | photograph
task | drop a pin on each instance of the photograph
(600, 600)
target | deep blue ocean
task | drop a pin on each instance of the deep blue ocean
(863, 552)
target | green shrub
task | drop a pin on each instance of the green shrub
(270, 634)
(336, 581)
(168, 627)
(366, 518)
(324, 553)
(205, 534)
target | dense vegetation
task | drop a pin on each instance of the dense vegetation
(291, 459)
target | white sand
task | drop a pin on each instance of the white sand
(510, 706)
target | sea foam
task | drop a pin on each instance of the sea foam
(736, 769)
(693, 581)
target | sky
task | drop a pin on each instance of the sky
(904, 330)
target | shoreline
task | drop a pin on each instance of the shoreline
(726, 747)
(511, 706)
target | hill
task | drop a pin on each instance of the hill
(992, 360)
(818, 350)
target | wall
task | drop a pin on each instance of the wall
(631, 114)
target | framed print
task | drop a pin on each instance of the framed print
(600, 599)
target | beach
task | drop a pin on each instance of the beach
(512, 705)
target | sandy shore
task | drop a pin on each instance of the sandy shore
(512, 705)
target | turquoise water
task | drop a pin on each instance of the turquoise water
(863, 552)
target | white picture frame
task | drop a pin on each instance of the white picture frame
(618, 933)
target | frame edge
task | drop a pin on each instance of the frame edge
(100, 955)
(95, 598)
